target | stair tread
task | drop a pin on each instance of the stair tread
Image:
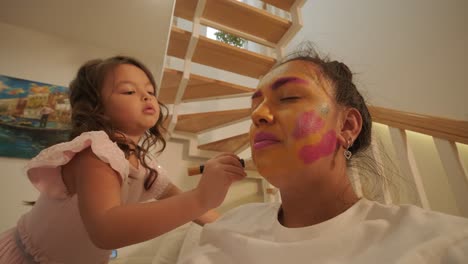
(248, 19)
(178, 42)
(220, 55)
(195, 123)
(198, 87)
(231, 144)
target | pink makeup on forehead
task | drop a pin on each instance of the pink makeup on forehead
(306, 124)
(282, 81)
(325, 147)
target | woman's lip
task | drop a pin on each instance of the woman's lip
(264, 143)
(261, 136)
(263, 140)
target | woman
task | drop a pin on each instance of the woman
(308, 120)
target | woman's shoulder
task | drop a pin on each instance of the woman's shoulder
(414, 217)
(422, 234)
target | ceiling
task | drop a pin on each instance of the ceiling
(130, 27)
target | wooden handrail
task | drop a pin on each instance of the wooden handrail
(449, 129)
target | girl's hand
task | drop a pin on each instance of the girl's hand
(219, 173)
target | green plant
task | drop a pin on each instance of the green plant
(230, 39)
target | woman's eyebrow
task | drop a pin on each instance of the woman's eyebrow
(282, 81)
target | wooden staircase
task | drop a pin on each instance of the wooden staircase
(224, 127)
(181, 86)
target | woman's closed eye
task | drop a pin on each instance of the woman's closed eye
(289, 98)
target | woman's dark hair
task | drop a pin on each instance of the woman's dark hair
(346, 93)
(88, 110)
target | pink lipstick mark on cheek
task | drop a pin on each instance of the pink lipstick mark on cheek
(325, 147)
(307, 123)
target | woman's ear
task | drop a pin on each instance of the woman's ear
(351, 127)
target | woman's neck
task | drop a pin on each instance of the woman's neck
(310, 205)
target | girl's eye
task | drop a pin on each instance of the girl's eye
(152, 93)
(129, 92)
(290, 98)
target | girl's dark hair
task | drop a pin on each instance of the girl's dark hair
(346, 93)
(88, 110)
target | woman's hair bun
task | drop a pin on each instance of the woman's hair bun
(341, 70)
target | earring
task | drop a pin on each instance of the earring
(348, 153)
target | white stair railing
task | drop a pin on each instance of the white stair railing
(445, 133)
(456, 173)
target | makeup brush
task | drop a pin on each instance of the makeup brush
(247, 164)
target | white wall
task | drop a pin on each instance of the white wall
(36, 56)
(408, 55)
(14, 190)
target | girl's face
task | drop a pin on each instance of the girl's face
(294, 123)
(129, 100)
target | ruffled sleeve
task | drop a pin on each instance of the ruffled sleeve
(161, 183)
(44, 170)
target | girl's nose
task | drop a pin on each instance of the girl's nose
(262, 115)
(145, 97)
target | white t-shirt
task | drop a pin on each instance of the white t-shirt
(368, 232)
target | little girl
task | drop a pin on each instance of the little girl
(92, 188)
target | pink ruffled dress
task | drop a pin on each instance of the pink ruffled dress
(53, 232)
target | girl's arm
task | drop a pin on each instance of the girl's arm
(206, 218)
(112, 225)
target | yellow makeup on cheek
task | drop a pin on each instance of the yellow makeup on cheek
(308, 124)
(325, 147)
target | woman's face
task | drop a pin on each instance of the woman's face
(294, 123)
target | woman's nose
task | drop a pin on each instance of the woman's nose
(262, 115)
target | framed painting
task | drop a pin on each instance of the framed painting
(33, 116)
